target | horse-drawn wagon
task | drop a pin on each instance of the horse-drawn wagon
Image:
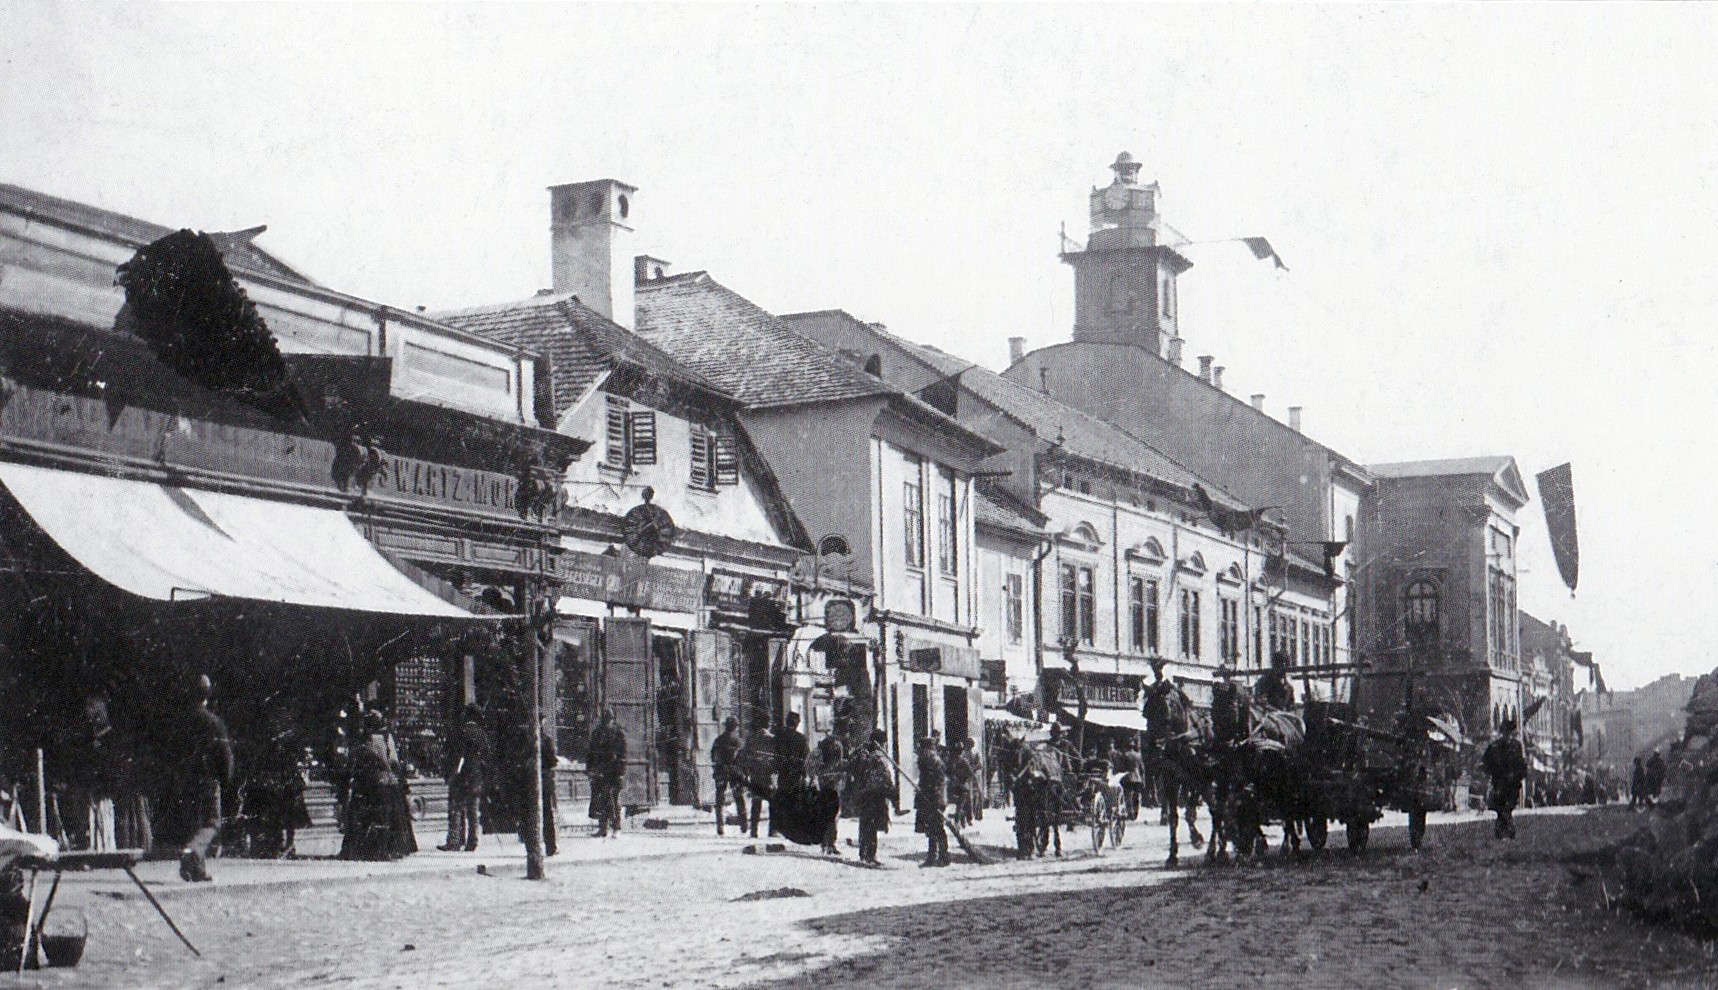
(1353, 772)
(1049, 796)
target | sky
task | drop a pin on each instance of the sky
(1500, 221)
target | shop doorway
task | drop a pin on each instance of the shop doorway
(677, 773)
(955, 724)
(921, 713)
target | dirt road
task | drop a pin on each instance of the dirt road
(1466, 913)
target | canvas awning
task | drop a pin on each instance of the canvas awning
(1114, 718)
(177, 544)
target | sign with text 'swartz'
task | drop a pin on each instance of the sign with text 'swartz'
(88, 424)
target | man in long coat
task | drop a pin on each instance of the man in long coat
(605, 762)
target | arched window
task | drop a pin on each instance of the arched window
(1420, 610)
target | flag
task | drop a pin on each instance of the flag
(1532, 710)
(1557, 493)
(1227, 520)
(1262, 249)
(1332, 550)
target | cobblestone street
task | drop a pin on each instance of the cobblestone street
(670, 915)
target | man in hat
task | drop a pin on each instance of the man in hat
(831, 767)
(725, 769)
(605, 762)
(872, 788)
(1506, 764)
(930, 801)
(468, 759)
(1274, 690)
(210, 768)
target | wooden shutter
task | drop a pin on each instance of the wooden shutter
(617, 433)
(700, 478)
(727, 460)
(642, 436)
(712, 701)
(629, 687)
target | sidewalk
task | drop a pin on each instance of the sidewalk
(688, 832)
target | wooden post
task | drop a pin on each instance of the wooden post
(41, 794)
(534, 780)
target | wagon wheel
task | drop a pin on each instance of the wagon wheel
(1317, 831)
(1097, 815)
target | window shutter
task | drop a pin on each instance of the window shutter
(727, 460)
(700, 478)
(643, 436)
(617, 433)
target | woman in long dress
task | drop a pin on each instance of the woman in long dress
(378, 823)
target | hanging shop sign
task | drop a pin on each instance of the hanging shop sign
(731, 592)
(620, 580)
(942, 658)
(1102, 690)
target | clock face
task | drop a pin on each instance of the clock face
(649, 530)
(1115, 198)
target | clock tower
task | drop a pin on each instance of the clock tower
(1124, 279)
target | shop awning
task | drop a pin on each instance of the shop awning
(177, 544)
(1114, 718)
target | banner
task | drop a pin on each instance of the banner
(1557, 494)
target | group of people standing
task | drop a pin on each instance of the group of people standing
(781, 768)
(1646, 780)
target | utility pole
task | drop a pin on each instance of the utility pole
(536, 614)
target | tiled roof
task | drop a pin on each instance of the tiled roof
(753, 354)
(581, 344)
(239, 252)
(1079, 433)
(1452, 467)
(995, 507)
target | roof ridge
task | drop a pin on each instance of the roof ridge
(1077, 413)
(530, 302)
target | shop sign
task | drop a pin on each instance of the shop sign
(937, 658)
(630, 581)
(1101, 692)
(733, 593)
(139, 432)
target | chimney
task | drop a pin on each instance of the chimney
(1205, 367)
(1217, 376)
(646, 269)
(590, 245)
(1259, 401)
(1044, 380)
(1294, 418)
(1016, 349)
(1175, 351)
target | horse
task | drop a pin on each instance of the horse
(1177, 740)
(1266, 780)
(1037, 795)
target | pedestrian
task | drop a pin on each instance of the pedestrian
(378, 824)
(1654, 776)
(1637, 784)
(871, 789)
(210, 766)
(791, 751)
(550, 759)
(1506, 764)
(929, 802)
(725, 769)
(960, 782)
(605, 762)
(757, 759)
(468, 762)
(830, 760)
(1132, 769)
